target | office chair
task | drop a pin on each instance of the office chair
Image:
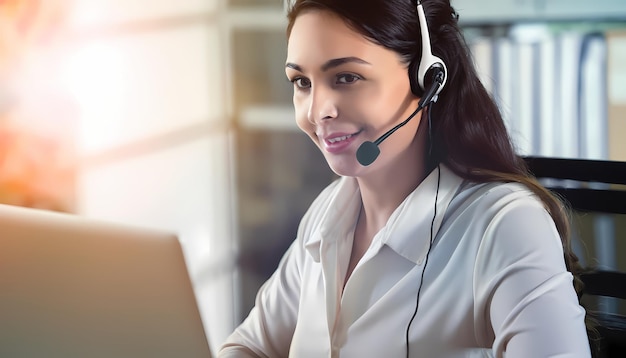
(593, 187)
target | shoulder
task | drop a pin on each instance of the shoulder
(494, 197)
(510, 220)
(499, 213)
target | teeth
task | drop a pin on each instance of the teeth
(339, 139)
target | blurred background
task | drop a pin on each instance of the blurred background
(177, 115)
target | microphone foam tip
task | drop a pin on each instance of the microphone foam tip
(367, 153)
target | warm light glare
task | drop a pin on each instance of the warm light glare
(95, 77)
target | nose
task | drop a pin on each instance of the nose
(322, 105)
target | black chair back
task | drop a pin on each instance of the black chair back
(596, 187)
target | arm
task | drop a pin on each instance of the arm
(525, 289)
(268, 329)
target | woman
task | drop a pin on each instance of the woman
(441, 246)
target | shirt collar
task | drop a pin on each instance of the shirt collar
(408, 229)
(338, 216)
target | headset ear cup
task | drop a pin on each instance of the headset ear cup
(413, 79)
(429, 76)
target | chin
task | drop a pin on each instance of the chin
(349, 167)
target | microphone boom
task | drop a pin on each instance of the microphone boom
(369, 151)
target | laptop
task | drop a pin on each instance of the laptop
(77, 287)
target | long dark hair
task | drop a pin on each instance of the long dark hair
(469, 134)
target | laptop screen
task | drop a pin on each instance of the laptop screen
(77, 287)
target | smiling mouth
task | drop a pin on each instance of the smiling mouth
(340, 139)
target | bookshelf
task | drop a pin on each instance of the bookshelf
(514, 11)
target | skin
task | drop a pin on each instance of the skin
(346, 85)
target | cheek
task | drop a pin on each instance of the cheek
(302, 120)
(306, 126)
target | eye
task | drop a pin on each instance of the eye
(301, 82)
(348, 78)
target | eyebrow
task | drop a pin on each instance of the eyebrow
(336, 62)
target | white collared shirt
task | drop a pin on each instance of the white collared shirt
(495, 282)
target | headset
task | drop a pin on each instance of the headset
(429, 66)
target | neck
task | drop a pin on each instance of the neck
(384, 190)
